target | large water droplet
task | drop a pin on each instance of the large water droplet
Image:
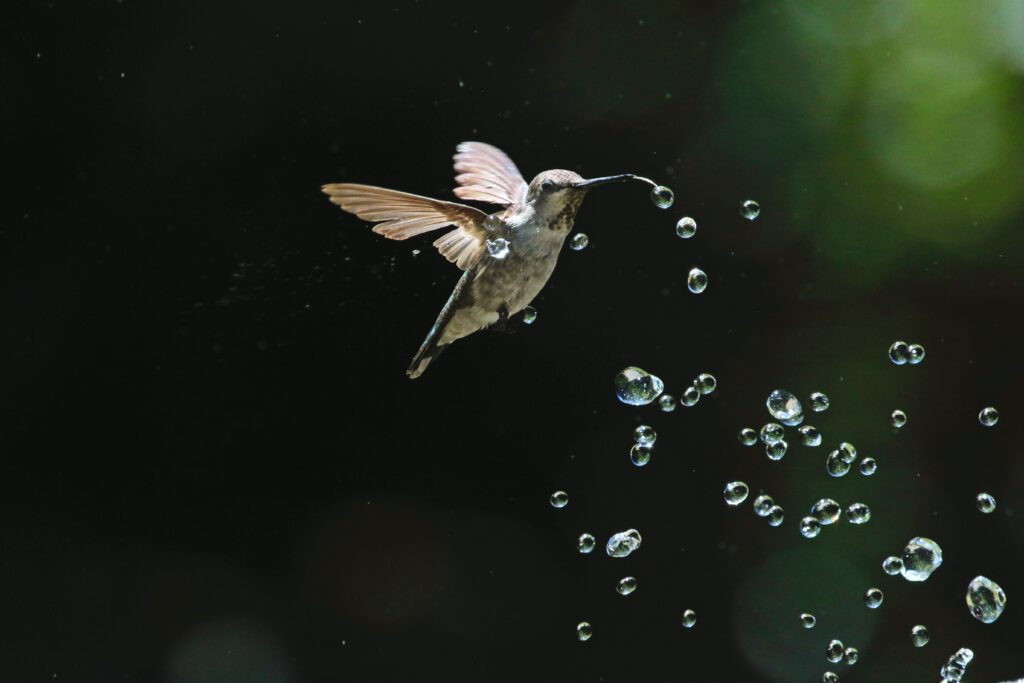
(921, 557)
(640, 455)
(586, 543)
(763, 505)
(810, 527)
(858, 513)
(736, 492)
(810, 436)
(637, 387)
(686, 227)
(498, 247)
(747, 436)
(898, 418)
(826, 511)
(776, 451)
(835, 651)
(623, 543)
(919, 636)
(579, 241)
(697, 280)
(986, 503)
(689, 618)
(662, 197)
(772, 432)
(750, 209)
(626, 585)
(785, 407)
(985, 599)
(529, 315)
(873, 598)
(584, 630)
(559, 499)
(988, 416)
(899, 352)
(645, 435)
(807, 620)
(705, 383)
(835, 464)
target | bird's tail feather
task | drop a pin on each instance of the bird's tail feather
(427, 353)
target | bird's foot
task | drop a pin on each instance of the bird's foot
(505, 323)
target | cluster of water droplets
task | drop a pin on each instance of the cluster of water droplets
(956, 666)
(901, 353)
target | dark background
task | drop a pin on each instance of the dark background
(217, 471)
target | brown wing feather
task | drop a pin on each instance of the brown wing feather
(486, 174)
(400, 215)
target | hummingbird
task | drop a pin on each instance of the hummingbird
(506, 256)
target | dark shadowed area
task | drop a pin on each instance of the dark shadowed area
(217, 471)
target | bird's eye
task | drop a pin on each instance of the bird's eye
(547, 185)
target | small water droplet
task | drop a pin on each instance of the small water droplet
(810, 527)
(579, 241)
(892, 565)
(637, 387)
(736, 492)
(819, 402)
(921, 557)
(873, 598)
(750, 209)
(810, 436)
(705, 383)
(586, 543)
(829, 677)
(529, 315)
(826, 511)
(915, 354)
(498, 247)
(667, 403)
(835, 651)
(785, 407)
(763, 505)
(772, 432)
(776, 451)
(986, 503)
(776, 515)
(747, 436)
(690, 396)
(988, 416)
(835, 465)
(623, 543)
(662, 197)
(583, 630)
(686, 227)
(919, 636)
(899, 352)
(898, 418)
(640, 455)
(689, 618)
(858, 513)
(851, 655)
(645, 435)
(868, 466)
(985, 599)
(807, 620)
(626, 585)
(559, 499)
(697, 280)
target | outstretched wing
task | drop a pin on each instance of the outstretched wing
(486, 174)
(400, 215)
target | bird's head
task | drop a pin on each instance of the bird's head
(552, 192)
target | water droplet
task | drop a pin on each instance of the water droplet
(835, 651)
(868, 466)
(662, 197)
(819, 402)
(810, 436)
(988, 416)
(750, 209)
(898, 418)
(892, 565)
(623, 543)
(640, 455)
(963, 656)
(955, 667)
(829, 677)
(858, 513)
(586, 543)
(583, 630)
(667, 403)
(785, 407)
(847, 452)
(697, 280)
(772, 432)
(986, 503)
(645, 435)
(559, 499)
(690, 397)
(851, 656)
(826, 511)
(775, 515)
(579, 241)
(915, 354)
(775, 451)
(626, 585)
(736, 492)
(705, 383)
(747, 436)
(637, 387)
(529, 315)
(810, 527)
(835, 465)
(498, 247)
(807, 620)
(763, 505)
(921, 557)
(686, 227)
(899, 352)
(985, 599)
(919, 636)
(873, 598)
(689, 618)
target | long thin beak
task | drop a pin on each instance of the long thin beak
(594, 182)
